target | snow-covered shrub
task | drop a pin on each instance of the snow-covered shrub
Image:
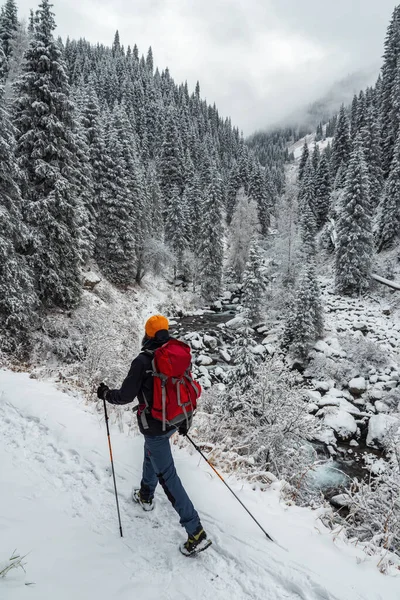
(266, 425)
(362, 354)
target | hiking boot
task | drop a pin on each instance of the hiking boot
(147, 505)
(197, 542)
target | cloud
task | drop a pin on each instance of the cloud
(258, 60)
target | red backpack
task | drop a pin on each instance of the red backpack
(175, 392)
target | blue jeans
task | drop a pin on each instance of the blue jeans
(158, 466)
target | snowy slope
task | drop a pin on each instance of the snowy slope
(57, 503)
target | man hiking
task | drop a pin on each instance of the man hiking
(160, 378)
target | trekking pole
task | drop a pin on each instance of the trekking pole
(112, 467)
(229, 488)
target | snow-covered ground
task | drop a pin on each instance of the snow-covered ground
(57, 505)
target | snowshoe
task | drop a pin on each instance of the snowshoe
(147, 505)
(195, 543)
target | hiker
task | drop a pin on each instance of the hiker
(158, 465)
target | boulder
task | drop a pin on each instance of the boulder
(260, 350)
(342, 422)
(357, 386)
(90, 280)
(323, 347)
(204, 360)
(314, 396)
(341, 500)
(235, 323)
(381, 407)
(321, 386)
(224, 354)
(270, 349)
(210, 341)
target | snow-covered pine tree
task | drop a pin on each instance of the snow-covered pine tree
(116, 244)
(389, 120)
(304, 324)
(341, 144)
(175, 232)
(303, 159)
(8, 26)
(259, 192)
(244, 226)
(171, 161)
(354, 229)
(322, 192)
(316, 157)
(243, 357)
(253, 284)
(387, 230)
(373, 156)
(47, 156)
(211, 247)
(17, 297)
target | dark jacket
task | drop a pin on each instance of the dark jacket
(139, 383)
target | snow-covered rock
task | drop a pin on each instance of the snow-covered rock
(314, 396)
(341, 500)
(90, 280)
(270, 349)
(378, 427)
(225, 355)
(312, 408)
(260, 350)
(326, 436)
(204, 360)
(321, 386)
(235, 323)
(210, 341)
(197, 344)
(381, 407)
(357, 386)
(323, 347)
(342, 422)
(354, 443)
(375, 394)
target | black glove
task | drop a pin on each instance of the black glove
(183, 429)
(101, 390)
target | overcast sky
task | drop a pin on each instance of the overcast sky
(259, 60)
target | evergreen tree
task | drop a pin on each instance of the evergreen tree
(341, 144)
(258, 191)
(211, 249)
(373, 156)
(387, 230)
(116, 244)
(303, 160)
(388, 92)
(354, 238)
(8, 26)
(316, 156)
(253, 284)
(17, 297)
(244, 359)
(174, 227)
(47, 156)
(304, 324)
(322, 192)
(172, 159)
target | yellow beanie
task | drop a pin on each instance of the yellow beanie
(154, 324)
